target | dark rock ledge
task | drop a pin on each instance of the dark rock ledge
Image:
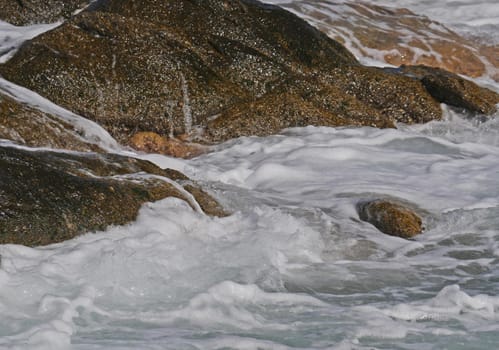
(48, 197)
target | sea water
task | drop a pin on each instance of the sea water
(293, 267)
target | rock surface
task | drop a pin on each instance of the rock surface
(453, 90)
(25, 12)
(231, 67)
(207, 203)
(28, 126)
(150, 142)
(398, 36)
(391, 218)
(47, 197)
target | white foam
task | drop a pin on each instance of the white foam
(480, 14)
(455, 13)
(88, 130)
(12, 37)
(361, 160)
(286, 269)
(474, 313)
(292, 267)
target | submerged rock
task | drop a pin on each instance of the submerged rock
(47, 197)
(391, 218)
(398, 36)
(231, 68)
(25, 12)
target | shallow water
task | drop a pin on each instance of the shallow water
(478, 18)
(293, 267)
(475, 17)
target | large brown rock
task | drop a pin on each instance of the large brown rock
(24, 12)
(228, 67)
(47, 197)
(391, 217)
(398, 36)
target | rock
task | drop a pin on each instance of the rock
(398, 36)
(230, 68)
(264, 116)
(47, 197)
(25, 12)
(151, 142)
(391, 218)
(454, 90)
(209, 205)
(28, 126)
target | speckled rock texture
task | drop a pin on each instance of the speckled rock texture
(151, 142)
(212, 70)
(25, 12)
(29, 126)
(392, 218)
(453, 90)
(48, 197)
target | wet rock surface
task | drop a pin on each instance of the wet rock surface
(392, 218)
(207, 203)
(158, 75)
(453, 90)
(29, 126)
(398, 36)
(151, 142)
(231, 67)
(25, 12)
(47, 197)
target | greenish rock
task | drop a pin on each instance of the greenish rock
(48, 197)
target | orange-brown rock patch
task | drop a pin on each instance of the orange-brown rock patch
(151, 142)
